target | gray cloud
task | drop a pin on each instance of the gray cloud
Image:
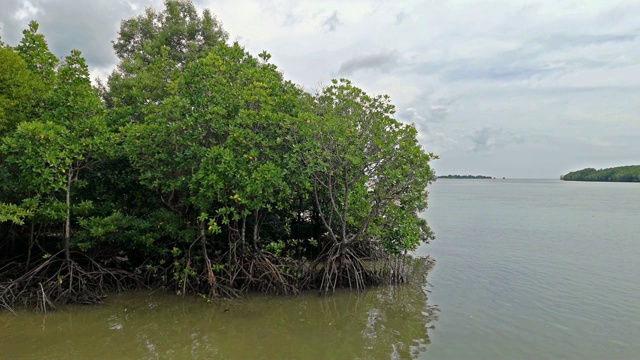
(424, 111)
(538, 70)
(11, 25)
(563, 41)
(521, 64)
(483, 139)
(493, 72)
(438, 111)
(489, 138)
(536, 57)
(430, 119)
(383, 61)
(332, 22)
(96, 25)
(73, 24)
(290, 19)
(411, 115)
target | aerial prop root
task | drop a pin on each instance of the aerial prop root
(55, 280)
(345, 264)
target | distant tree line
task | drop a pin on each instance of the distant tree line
(464, 177)
(198, 168)
(616, 174)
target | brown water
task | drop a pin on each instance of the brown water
(382, 323)
(538, 269)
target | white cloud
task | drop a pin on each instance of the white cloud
(524, 88)
(26, 11)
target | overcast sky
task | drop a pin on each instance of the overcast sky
(506, 88)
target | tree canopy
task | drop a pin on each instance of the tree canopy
(615, 174)
(198, 167)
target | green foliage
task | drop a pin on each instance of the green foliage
(36, 151)
(276, 247)
(19, 91)
(368, 171)
(63, 135)
(199, 163)
(153, 49)
(13, 213)
(616, 174)
(126, 232)
(179, 28)
(35, 51)
(212, 136)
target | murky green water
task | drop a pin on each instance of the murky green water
(382, 323)
(525, 270)
(535, 269)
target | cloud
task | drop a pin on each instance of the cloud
(11, 21)
(489, 138)
(426, 112)
(71, 24)
(290, 20)
(332, 22)
(438, 111)
(27, 11)
(494, 73)
(564, 41)
(96, 26)
(483, 139)
(383, 61)
(497, 83)
(537, 59)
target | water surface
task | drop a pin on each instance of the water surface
(538, 269)
(383, 323)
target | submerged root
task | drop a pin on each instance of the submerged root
(342, 266)
(56, 280)
(263, 272)
(345, 265)
(266, 273)
(259, 272)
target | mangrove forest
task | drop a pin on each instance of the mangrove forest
(615, 174)
(197, 168)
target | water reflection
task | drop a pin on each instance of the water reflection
(382, 323)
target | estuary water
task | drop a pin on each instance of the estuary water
(526, 269)
(535, 269)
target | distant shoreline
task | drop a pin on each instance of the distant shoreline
(615, 174)
(465, 177)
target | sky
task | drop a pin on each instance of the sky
(504, 88)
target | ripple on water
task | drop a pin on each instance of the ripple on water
(537, 269)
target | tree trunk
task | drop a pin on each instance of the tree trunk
(256, 226)
(67, 225)
(211, 278)
(345, 207)
(31, 242)
(243, 233)
(322, 216)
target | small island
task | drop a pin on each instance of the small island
(465, 177)
(615, 174)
